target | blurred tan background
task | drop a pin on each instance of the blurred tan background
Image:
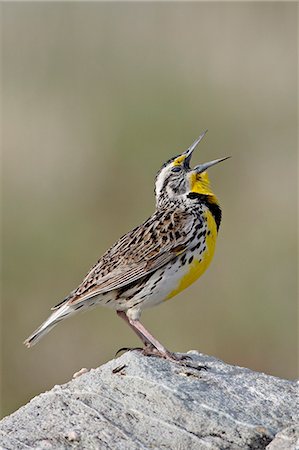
(96, 96)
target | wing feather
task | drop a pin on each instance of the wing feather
(140, 252)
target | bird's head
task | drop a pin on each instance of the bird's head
(176, 178)
(171, 180)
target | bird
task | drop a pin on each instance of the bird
(157, 259)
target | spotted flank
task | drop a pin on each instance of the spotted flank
(156, 260)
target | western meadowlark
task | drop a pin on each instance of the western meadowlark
(156, 260)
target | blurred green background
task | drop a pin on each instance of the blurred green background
(96, 96)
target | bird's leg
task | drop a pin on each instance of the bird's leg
(145, 341)
(152, 346)
(155, 348)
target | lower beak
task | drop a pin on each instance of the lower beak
(203, 167)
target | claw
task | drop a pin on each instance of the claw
(127, 349)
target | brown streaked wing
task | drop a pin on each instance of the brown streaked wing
(142, 251)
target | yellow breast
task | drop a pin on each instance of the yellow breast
(198, 267)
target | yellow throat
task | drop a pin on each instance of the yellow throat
(200, 184)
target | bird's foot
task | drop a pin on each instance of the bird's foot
(151, 350)
(183, 360)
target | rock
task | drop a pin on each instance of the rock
(139, 402)
(285, 439)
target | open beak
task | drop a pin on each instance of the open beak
(203, 167)
(188, 153)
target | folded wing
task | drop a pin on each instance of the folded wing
(138, 253)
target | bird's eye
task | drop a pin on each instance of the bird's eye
(176, 169)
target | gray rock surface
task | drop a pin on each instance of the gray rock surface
(285, 439)
(138, 402)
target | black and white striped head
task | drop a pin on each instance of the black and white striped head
(171, 180)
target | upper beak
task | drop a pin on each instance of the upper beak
(190, 150)
(203, 167)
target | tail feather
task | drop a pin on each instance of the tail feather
(63, 312)
(64, 301)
